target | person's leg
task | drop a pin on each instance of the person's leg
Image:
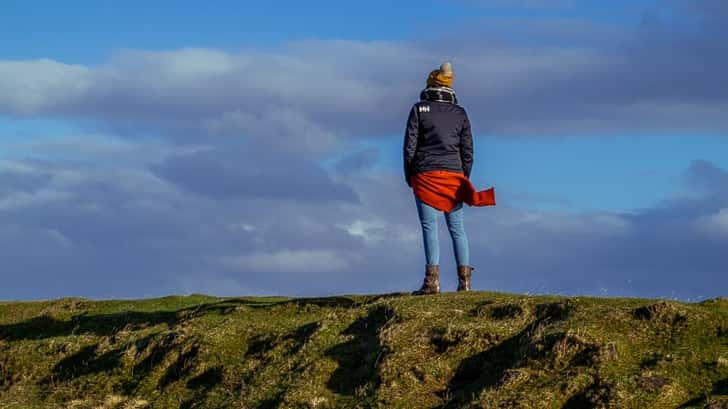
(455, 224)
(428, 221)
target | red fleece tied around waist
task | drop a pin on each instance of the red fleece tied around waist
(443, 190)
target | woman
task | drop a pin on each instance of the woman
(438, 157)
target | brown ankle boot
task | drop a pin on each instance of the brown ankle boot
(431, 284)
(464, 273)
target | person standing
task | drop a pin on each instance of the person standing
(438, 159)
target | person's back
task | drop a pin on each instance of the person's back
(438, 132)
(443, 137)
(438, 158)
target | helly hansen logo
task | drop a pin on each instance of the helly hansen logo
(424, 108)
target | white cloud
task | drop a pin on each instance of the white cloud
(31, 87)
(310, 94)
(716, 223)
(17, 167)
(284, 127)
(565, 223)
(242, 226)
(380, 230)
(288, 261)
(41, 197)
(365, 229)
(59, 237)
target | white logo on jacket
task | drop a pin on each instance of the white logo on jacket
(424, 108)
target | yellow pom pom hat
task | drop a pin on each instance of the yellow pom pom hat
(441, 77)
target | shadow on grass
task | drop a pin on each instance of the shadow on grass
(202, 384)
(260, 345)
(261, 355)
(85, 362)
(595, 395)
(153, 350)
(180, 368)
(485, 369)
(46, 326)
(719, 388)
(358, 358)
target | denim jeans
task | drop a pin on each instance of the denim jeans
(454, 219)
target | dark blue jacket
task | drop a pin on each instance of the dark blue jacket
(437, 136)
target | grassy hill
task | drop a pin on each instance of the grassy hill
(479, 349)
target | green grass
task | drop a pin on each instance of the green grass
(451, 350)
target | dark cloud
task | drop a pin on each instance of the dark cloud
(710, 10)
(705, 175)
(124, 231)
(357, 161)
(248, 172)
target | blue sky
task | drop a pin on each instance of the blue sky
(591, 119)
(86, 31)
(620, 172)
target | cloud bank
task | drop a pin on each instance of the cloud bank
(515, 77)
(212, 180)
(137, 230)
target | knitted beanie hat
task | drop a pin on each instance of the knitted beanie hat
(441, 77)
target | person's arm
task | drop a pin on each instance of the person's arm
(409, 147)
(466, 146)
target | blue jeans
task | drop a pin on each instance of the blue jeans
(454, 219)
